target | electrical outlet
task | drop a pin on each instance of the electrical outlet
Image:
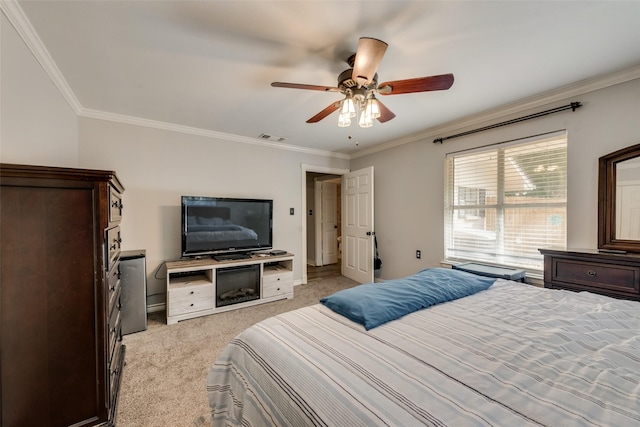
(418, 254)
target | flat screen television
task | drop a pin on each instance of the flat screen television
(218, 225)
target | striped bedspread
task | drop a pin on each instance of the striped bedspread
(514, 355)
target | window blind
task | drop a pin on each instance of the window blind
(505, 201)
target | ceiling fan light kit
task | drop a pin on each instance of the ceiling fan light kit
(366, 104)
(347, 111)
(359, 84)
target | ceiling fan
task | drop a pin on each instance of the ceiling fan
(359, 85)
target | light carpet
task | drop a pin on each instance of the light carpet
(164, 379)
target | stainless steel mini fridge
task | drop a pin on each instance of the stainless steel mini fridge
(133, 297)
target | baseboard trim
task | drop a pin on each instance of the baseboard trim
(153, 308)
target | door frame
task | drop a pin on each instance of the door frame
(303, 206)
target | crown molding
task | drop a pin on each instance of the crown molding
(549, 97)
(22, 25)
(120, 118)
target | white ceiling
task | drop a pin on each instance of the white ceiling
(208, 65)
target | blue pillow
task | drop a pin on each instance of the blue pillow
(373, 304)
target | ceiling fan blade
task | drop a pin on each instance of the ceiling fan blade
(304, 86)
(385, 113)
(324, 113)
(368, 57)
(420, 84)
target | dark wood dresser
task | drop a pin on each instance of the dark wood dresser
(612, 274)
(61, 356)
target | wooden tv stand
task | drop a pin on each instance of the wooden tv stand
(192, 290)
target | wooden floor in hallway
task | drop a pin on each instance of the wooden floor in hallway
(324, 272)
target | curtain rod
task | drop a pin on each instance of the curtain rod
(573, 106)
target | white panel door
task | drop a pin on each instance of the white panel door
(357, 225)
(329, 223)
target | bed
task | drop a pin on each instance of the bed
(509, 355)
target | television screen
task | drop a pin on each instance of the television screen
(215, 225)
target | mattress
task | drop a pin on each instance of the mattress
(512, 355)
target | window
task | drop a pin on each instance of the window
(505, 201)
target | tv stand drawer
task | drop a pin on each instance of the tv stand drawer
(190, 299)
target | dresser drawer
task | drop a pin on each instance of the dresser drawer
(115, 351)
(596, 275)
(115, 332)
(114, 243)
(113, 285)
(115, 304)
(115, 372)
(190, 299)
(115, 343)
(115, 205)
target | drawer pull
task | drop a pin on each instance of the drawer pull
(591, 273)
(191, 305)
(191, 292)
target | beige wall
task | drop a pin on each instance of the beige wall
(37, 125)
(158, 166)
(413, 219)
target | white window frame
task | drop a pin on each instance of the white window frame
(454, 209)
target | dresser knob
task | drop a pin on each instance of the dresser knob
(191, 292)
(591, 273)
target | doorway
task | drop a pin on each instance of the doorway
(323, 225)
(356, 205)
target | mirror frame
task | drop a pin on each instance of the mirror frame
(607, 201)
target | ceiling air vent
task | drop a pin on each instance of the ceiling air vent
(271, 137)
